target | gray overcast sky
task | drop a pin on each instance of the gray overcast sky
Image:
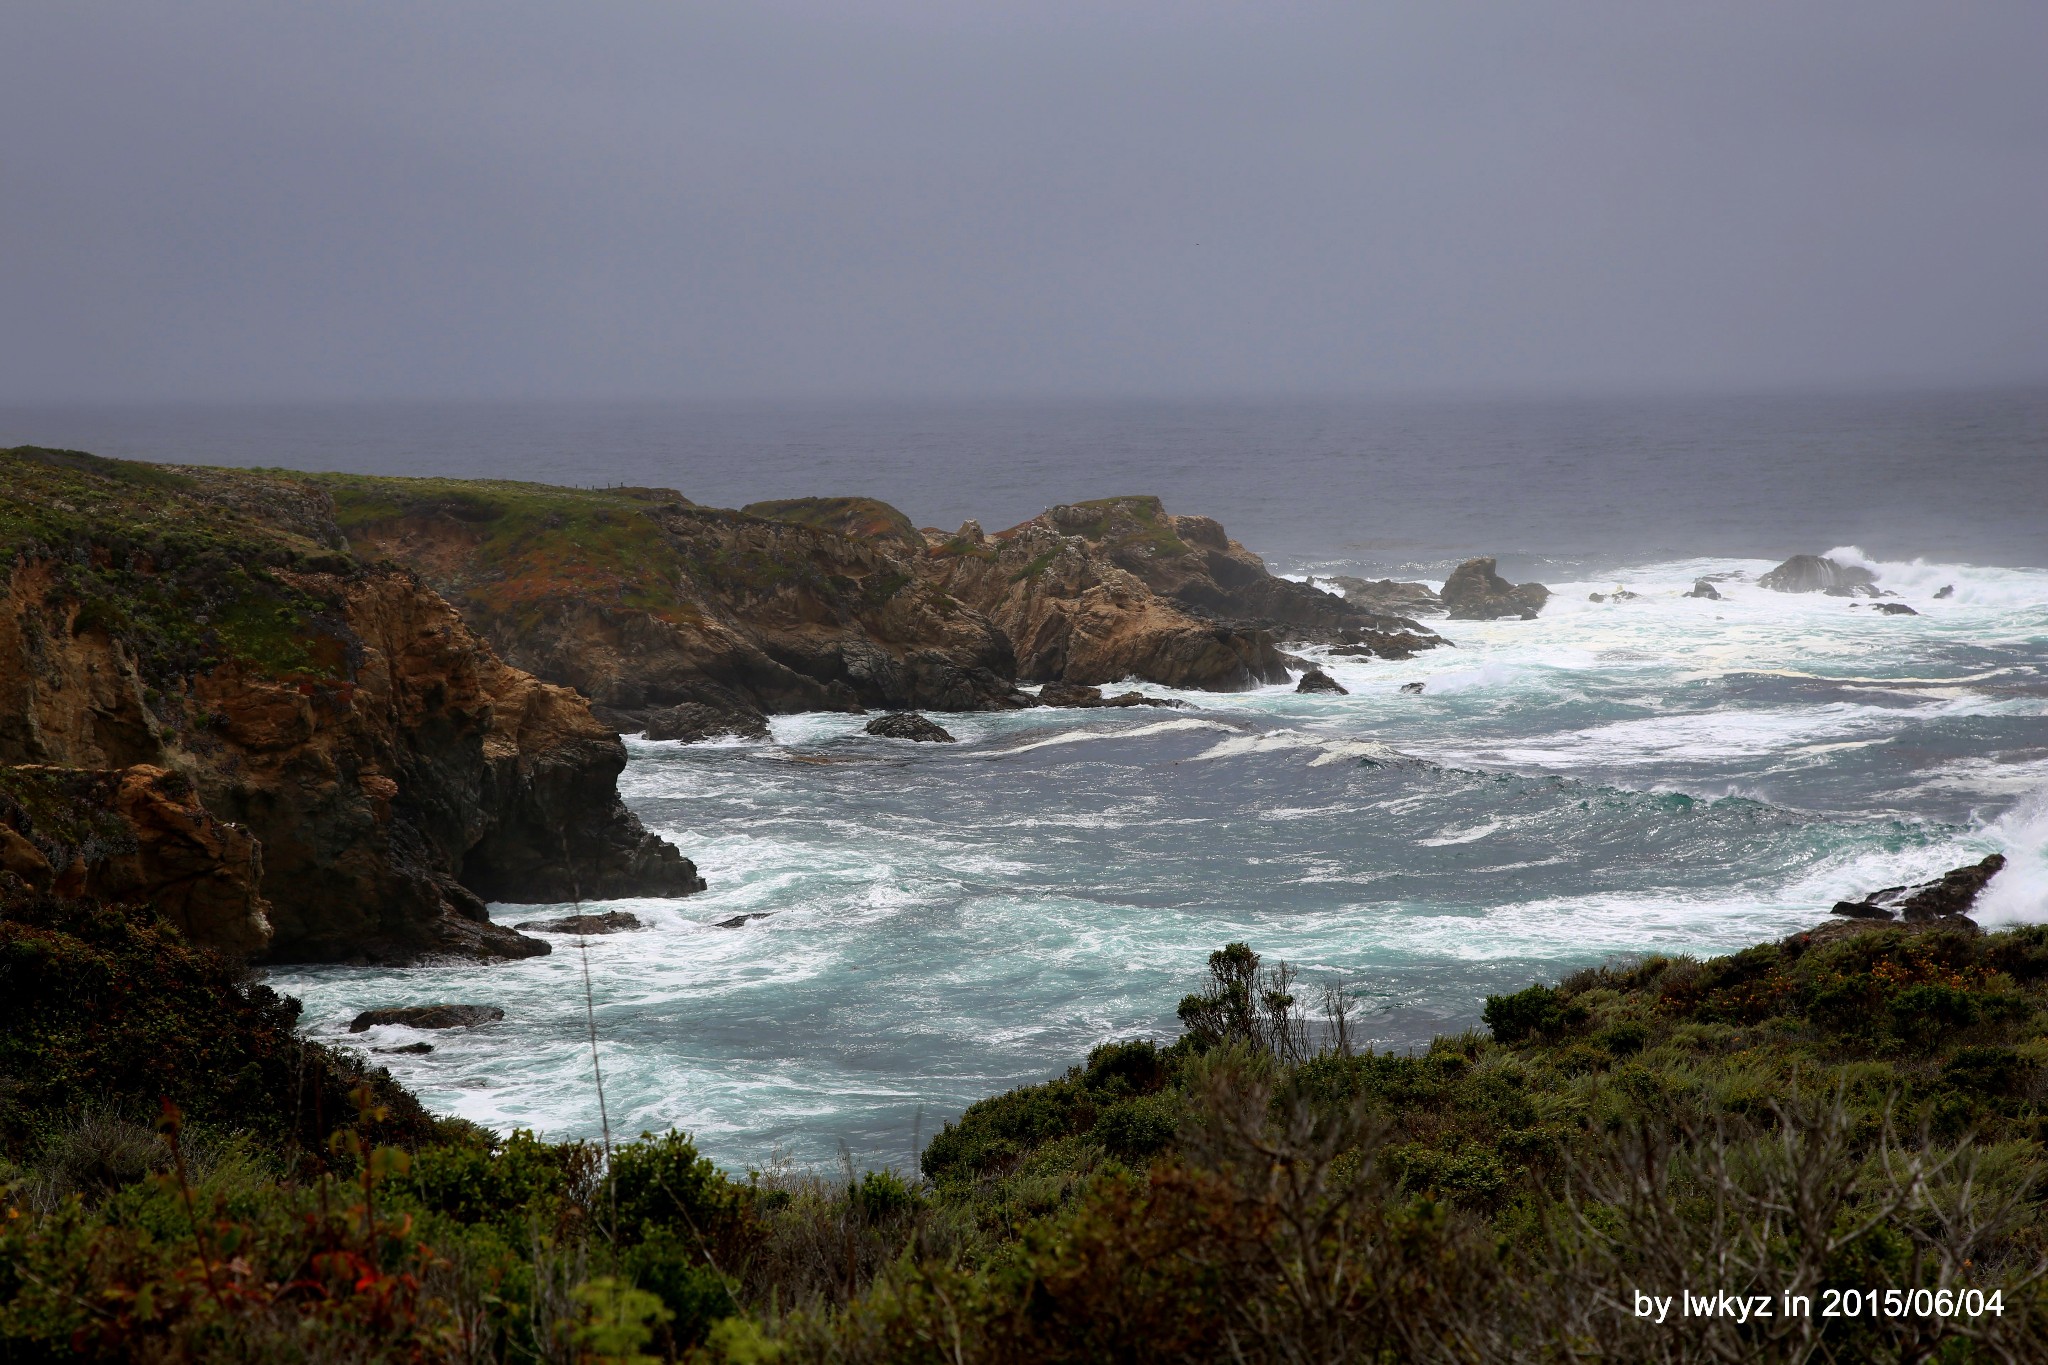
(623, 197)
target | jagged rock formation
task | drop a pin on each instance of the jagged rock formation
(392, 769)
(1816, 573)
(692, 722)
(1475, 592)
(1388, 597)
(427, 1016)
(1081, 696)
(1116, 588)
(135, 836)
(642, 600)
(1315, 680)
(1951, 894)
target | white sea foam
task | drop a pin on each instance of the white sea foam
(939, 928)
(1163, 727)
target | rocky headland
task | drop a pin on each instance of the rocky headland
(1095, 592)
(642, 601)
(311, 753)
(334, 715)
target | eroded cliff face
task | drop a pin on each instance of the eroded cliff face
(392, 770)
(1099, 591)
(640, 600)
(135, 836)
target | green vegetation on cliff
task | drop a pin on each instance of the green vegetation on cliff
(522, 544)
(862, 518)
(1861, 1107)
(185, 573)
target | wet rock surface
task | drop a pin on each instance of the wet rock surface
(692, 722)
(1703, 588)
(1315, 680)
(1083, 696)
(1816, 573)
(1949, 895)
(1476, 592)
(1388, 597)
(909, 725)
(610, 922)
(427, 1017)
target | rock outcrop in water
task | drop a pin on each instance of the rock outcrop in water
(1476, 592)
(427, 1016)
(1387, 597)
(909, 725)
(1702, 588)
(692, 722)
(1082, 696)
(392, 771)
(1947, 896)
(1315, 680)
(1816, 573)
(1098, 591)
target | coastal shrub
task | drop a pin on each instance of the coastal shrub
(1136, 1130)
(661, 1183)
(1512, 1018)
(1137, 1067)
(1857, 1110)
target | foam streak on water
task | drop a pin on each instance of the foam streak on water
(1666, 774)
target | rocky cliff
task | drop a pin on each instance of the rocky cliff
(1098, 591)
(391, 769)
(642, 600)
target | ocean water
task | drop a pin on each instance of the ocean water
(941, 922)
(945, 921)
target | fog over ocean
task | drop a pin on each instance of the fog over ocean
(1663, 774)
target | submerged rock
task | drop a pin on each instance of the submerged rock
(1702, 588)
(417, 1049)
(1893, 608)
(1475, 592)
(1315, 680)
(1948, 590)
(1414, 687)
(428, 1016)
(694, 721)
(1949, 895)
(1082, 695)
(1816, 573)
(610, 922)
(909, 725)
(737, 920)
(1618, 595)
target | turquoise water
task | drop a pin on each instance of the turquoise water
(946, 921)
